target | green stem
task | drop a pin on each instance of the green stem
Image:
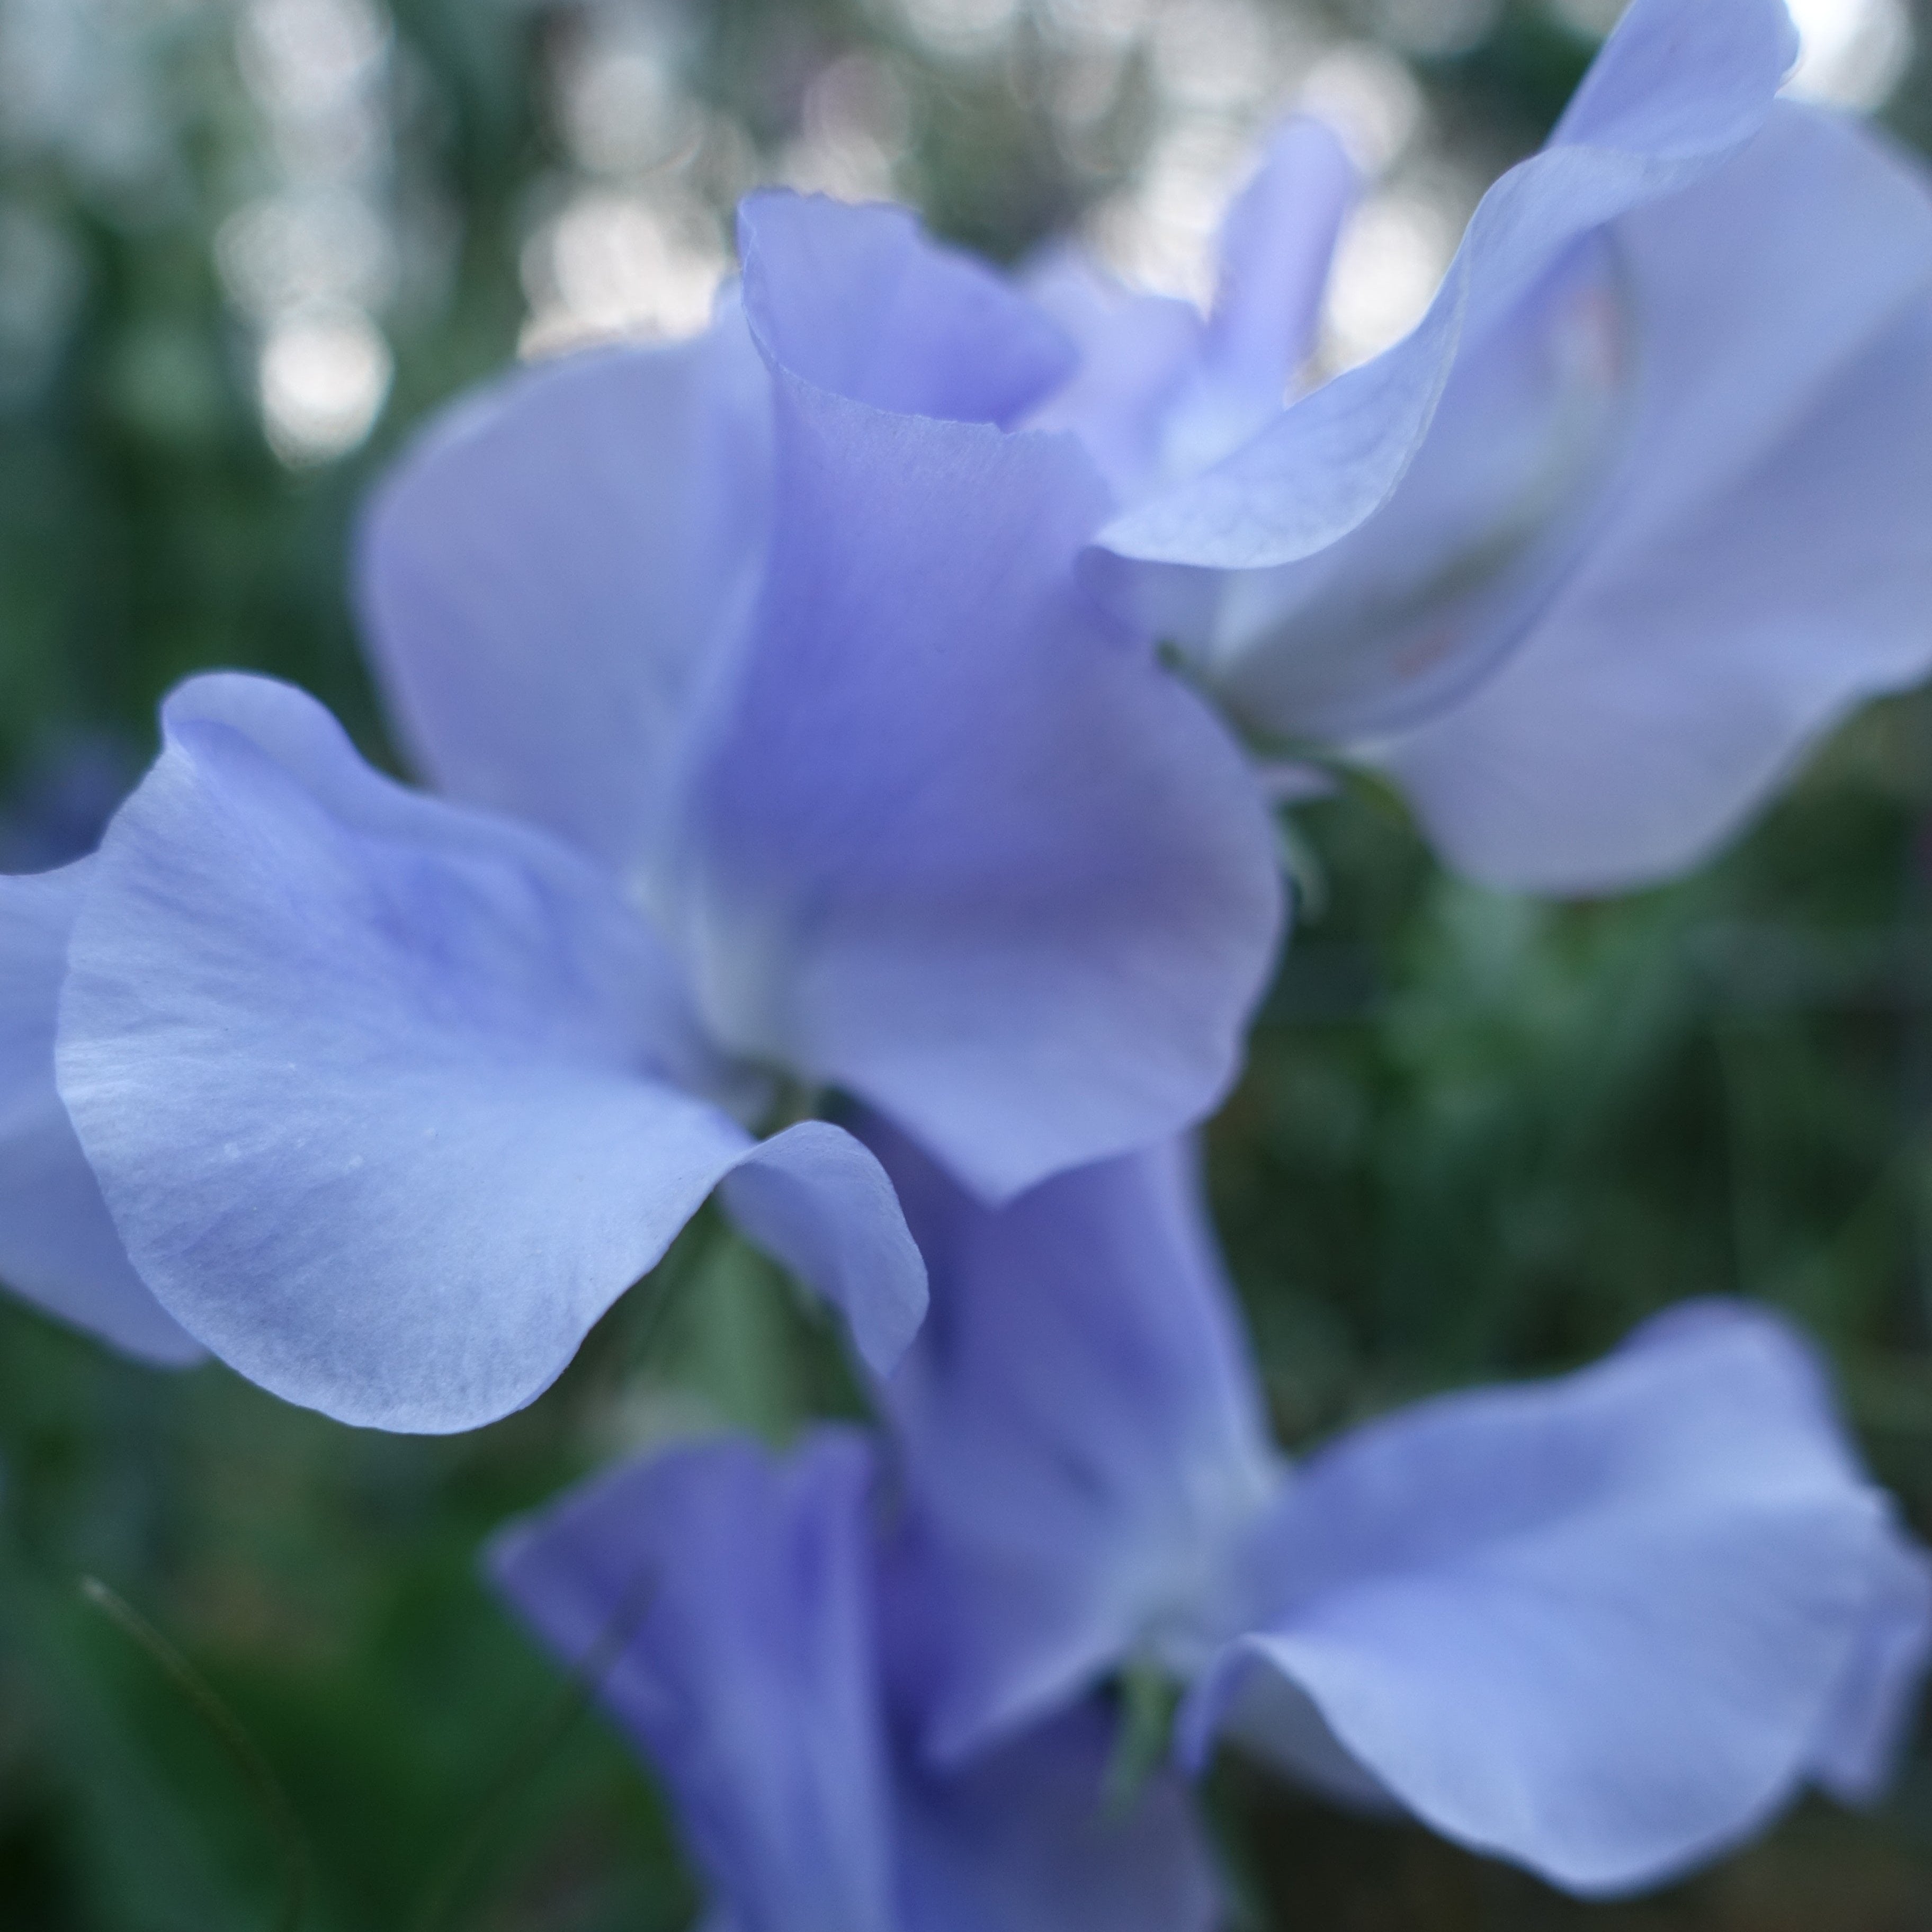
(261, 1782)
(1147, 1702)
(446, 1890)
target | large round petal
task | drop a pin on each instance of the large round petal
(390, 1100)
(723, 1603)
(950, 840)
(58, 1247)
(1677, 88)
(545, 573)
(1602, 1627)
(1080, 1435)
(1762, 562)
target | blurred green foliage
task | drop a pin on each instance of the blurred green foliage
(1480, 1136)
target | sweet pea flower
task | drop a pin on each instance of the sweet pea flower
(727, 1608)
(777, 741)
(1604, 1626)
(1637, 511)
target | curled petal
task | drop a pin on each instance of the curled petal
(1413, 608)
(1081, 1435)
(1676, 90)
(58, 1247)
(815, 1199)
(1760, 564)
(389, 1100)
(1604, 1626)
(859, 301)
(546, 574)
(1857, 1748)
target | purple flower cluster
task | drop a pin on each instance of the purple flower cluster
(882, 694)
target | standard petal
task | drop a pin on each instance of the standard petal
(860, 302)
(1763, 563)
(389, 1100)
(58, 1247)
(1598, 1627)
(1024, 1840)
(1080, 1435)
(545, 573)
(722, 1603)
(950, 840)
(1676, 90)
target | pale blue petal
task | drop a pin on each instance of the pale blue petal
(1158, 394)
(389, 1099)
(1081, 1434)
(1025, 1840)
(1857, 1749)
(723, 1603)
(546, 573)
(1410, 609)
(860, 302)
(1675, 92)
(1277, 242)
(58, 1247)
(951, 840)
(1603, 1626)
(817, 1200)
(1136, 350)
(1763, 563)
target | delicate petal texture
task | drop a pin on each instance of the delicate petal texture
(1598, 1626)
(58, 1247)
(541, 578)
(1023, 1840)
(1766, 561)
(859, 301)
(1080, 1437)
(724, 1603)
(389, 1100)
(950, 842)
(1680, 86)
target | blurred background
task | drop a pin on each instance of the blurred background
(244, 245)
